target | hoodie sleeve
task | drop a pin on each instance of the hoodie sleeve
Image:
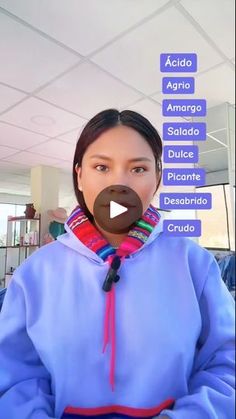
(24, 382)
(211, 384)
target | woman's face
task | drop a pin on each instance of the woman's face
(119, 156)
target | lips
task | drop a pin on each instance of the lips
(125, 204)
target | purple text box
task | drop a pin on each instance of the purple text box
(178, 62)
(172, 201)
(184, 228)
(181, 131)
(181, 154)
(178, 85)
(184, 177)
(184, 107)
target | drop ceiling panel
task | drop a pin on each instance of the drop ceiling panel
(91, 23)
(205, 87)
(216, 118)
(65, 166)
(216, 17)
(6, 151)
(158, 97)
(29, 60)
(87, 90)
(57, 149)
(41, 117)
(18, 137)
(17, 179)
(71, 137)
(153, 112)
(135, 57)
(9, 187)
(9, 97)
(214, 161)
(224, 78)
(207, 145)
(12, 168)
(220, 135)
(31, 159)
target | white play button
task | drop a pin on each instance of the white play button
(116, 209)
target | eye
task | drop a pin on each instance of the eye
(139, 169)
(101, 168)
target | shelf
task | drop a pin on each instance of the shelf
(19, 247)
(23, 219)
(22, 240)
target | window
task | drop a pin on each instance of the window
(5, 210)
(217, 225)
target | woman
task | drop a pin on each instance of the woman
(155, 338)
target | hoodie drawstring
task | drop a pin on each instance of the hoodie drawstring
(109, 329)
(110, 324)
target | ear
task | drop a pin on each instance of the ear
(159, 174)
(78, 170)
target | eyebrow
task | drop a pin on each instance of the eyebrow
(101, 156)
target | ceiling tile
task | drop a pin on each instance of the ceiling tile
(153, 112)
(88, 90)
(220, 135)
(18, 137)
(72, 136)
(135, 58)
(6, 151)
(29, 60)
(41, 117)
(9, 97)
(13, 168)
(106, 18)
(158, 97)
(216, 17)
(13, 174)
(224, 78)
(217, 161)
(17, 179)
(65, 166)
(205, 87)
(216, 117)
(207, 145)
(12, 189)
(57, 149)
(32, 160)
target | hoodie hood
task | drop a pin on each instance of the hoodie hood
(85, 238)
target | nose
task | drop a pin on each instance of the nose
(119, 180)
(118, 189)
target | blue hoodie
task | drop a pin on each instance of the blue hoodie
(174, 334)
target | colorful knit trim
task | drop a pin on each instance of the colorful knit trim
(89, 235)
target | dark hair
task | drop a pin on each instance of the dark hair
(102, 122)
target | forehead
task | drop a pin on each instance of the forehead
(124, 139)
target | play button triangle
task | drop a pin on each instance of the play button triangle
(116, 209)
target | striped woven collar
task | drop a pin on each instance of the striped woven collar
(91, 237)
